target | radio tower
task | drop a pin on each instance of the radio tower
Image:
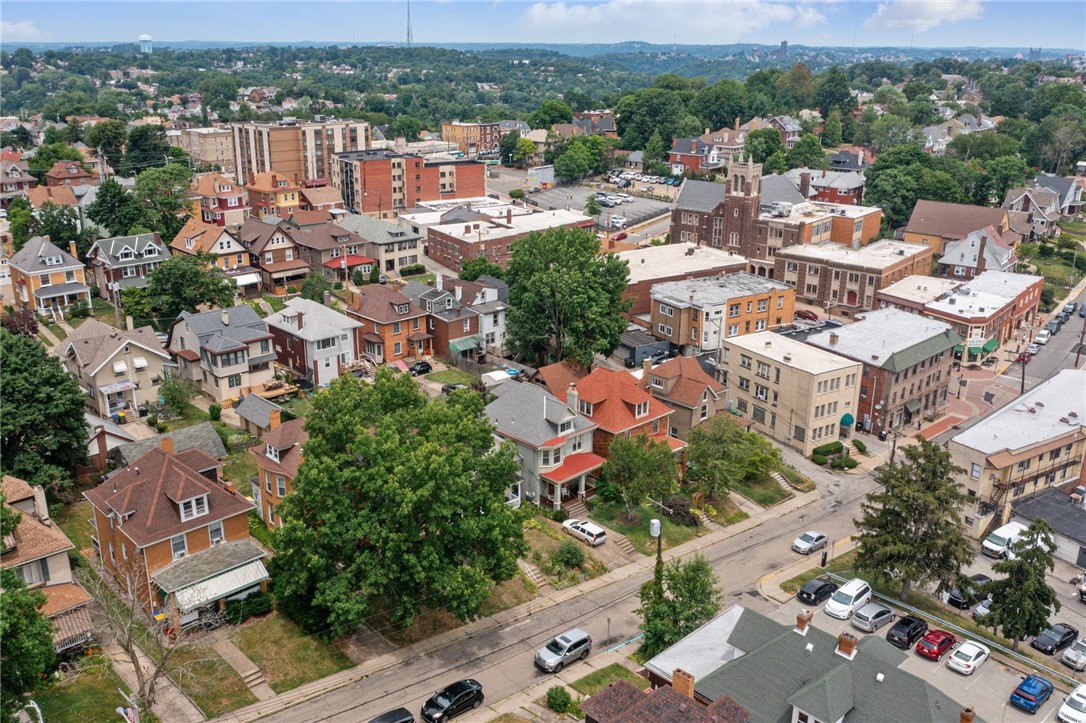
(410, 35)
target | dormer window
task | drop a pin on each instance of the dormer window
(195, 507)
(657, 382)
(271, 453)
(641, 409)
(125, 254)
(584, 407)
(54, 260)
(403, 308)
(150, 251)
(565, 426)
(281, 184)
(448, 303)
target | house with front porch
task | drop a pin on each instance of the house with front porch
(553, 441)
(335, 252)
(119, 371)
(454, 325)
(171, 530)
(315, 342)
(224, 250)
(682, 384)
(36, 550)
(227, 352)
(393, 327)
(270, 241)
(124, 262)
(277, 461)
(48, 280)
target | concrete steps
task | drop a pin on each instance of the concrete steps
(781, 480)
(623, 543)
(576, 509)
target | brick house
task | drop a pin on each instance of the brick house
(980, 251)
(169, 530)
(315, 342)
(37, 552)
(934, 223)
(837, 277)
(455, 326)
(124, 262)
(227, 352)
(845, 187)
(271, 194)
(386, 182)
(393, 326)
(277, 463)
(270, 242)
(219, 200)
(682, 384)
(334, 251)
(70, 174)
(48, 280)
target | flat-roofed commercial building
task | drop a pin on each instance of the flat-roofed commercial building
(653, 265)
(451, 244)
(300, 151)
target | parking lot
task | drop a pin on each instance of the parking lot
(636, 210)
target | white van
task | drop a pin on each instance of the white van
(849, 598)
(998, 544)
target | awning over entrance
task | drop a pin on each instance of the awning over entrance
(913, 405)
(247, 279)
(467, 343)
(574, 466)
(72, 629)
(990, 346)
(419, 336)
(348, 262)
(117, 387)
(211, 575)
(976, 347)
(49, 292)
(847, 420)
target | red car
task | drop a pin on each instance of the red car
(935, 644)
(807, 315)
(620, 236)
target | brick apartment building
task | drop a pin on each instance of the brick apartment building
(654, 265)
(301, 152)
(473, 139)
(839, 278)
(384, 181)
(210, 146)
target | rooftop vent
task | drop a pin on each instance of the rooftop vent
(880, 677)
(1040, 404)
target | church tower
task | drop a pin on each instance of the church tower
(741, 206)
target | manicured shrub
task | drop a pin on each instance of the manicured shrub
(215, 412)
(569, 555)
(860, 445)
(849, 462)
(238, 611)
(828, 449)
(338, 286)
(292, 289)
(819, 459)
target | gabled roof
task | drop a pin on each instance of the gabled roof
(837, 180)
(623, 702)
(205, 236)
(701, 196)
(289, 438)
(778, 189)
(302, 219)
(558, 376)
(322, 196)
(690, 385)
(224, 329)
(951, 220)
(269, 183)
(207, 185)
(202, 437)
(63, 170)
(530, 414)
(328, 236)
(965, 252)
(1061, 185)
(93, 344)
(890, 339)
(614, 396)
(30, 259)
(108, 250)
(257, 232)
(378, 302)
(15, 489)
(317, 320)
(146, 495)
(257, 410)
(60, 195)
(34, 538)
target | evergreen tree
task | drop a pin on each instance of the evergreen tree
(688, 597)
(832, 129)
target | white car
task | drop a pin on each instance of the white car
(1075, 656)
(585, 530)
(1073, 709)
(1042, 337)
(619, 221)
(968, 657)
(809, 541)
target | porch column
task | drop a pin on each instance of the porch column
(580, 485)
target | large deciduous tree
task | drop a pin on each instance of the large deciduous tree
(807, 153)
(399, 505)
(722, 453)
(184, 283)
(832, 92)
(832, 130)
(43, 436)
(566, 297)
(146, 147)
(688, 597)
(910, 530)
(639, 114)
(720, 104)
(109, 138)
(550, 112)
(763, 143)
(116, 209)
(26, 643)
(162, 194)
(641, 468)
(1022, 600)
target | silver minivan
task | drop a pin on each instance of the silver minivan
(849, 598)
(571, 645)
(872, 616)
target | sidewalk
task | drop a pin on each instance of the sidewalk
(170, 703)
(503, 619)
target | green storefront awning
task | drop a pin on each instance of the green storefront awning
(959, 349)
(990, 345)
(467, 343)
(913, 405)
(847, 420)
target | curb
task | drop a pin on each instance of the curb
(769, 585)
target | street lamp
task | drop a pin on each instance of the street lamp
(655, 531)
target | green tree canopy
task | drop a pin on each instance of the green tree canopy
(910, 530)
(592, 206)
(404, 126)
(1022, 601)
(763, 143)
(550, 112)
(26, 637)
(566, 298)
(807, 153)
(62, 225)
(162, 194)
(832, 92)
(400, 503)
(689, 598)
(47, 156)
(507, 146)
(722, 453)
(522, 151)
(832, 129)
(720, 104)
(640, 114)
(115, 209)
(478, 266)
(109, 137)
(655, 154)
(314, 286)
(642, 468)
(20, 221)
(146, 148)
(184, 283)
(43, 436)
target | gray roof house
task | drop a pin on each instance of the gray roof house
(752, 659)
(47, 279)
(227, 352)
(703, 196)
(392, 246)
(778, 189)
(312, 340)
(259, 415)
(200, 436)
(1070, 192)
(125, 262)
(982, 250)
(553, 440)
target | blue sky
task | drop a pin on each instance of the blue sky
(926, 23)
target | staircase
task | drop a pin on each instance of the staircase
(622, 543)
(781, 480)
(576, 508)
(533, 574)
(254, 678)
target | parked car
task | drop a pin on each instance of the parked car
(1053, 327)
(906, 632)
(571, 645)
(591, 533)
(400, 715)
(983, 608)
(849, 598)
(815, 591)
(420, 367)
(963, 599)
(619, 221)
(1031, 693)
(1055, 639)
(806, 315)
(1075, 656)
(1073, 709)
(872, 616)
(1070, 307)
(809, 541)
(448, 389)
(1032, 349)
(1042, 337)
(968, 657)
(935, 644)
(620, 236)
(453, 700)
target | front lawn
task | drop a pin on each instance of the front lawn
(287, 656)
(193, 415)
(796, 479)
(452, 376)
(762, 489)
(277, 303)
(88, 696)
(596, 681)
(543, 542)
(612, 515)
(74, 520)
(239, 467)
(57, 331)
(209, 680)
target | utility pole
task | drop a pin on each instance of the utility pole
(1081, 338)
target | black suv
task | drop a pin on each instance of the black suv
(420, 367)
(461, 696)
(906, 631)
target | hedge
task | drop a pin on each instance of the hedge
(412, 270)
(828, 449)
(859, 444)
(844, 463)
(819, 459)
(238, 611)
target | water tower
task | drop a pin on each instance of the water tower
(145, 44)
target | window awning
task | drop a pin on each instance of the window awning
(139, 362)
(220, 586)
(467, 343)
(246, 279)
(913, 405)
(990, 345)
(117, 387)
(119, 367)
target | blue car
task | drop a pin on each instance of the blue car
(1031, 693)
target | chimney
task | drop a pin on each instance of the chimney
(803, 621)
(682, 682)
(301, 319)
(967, 715)
(846, 645)
(439, 282)
(72, 249)
(805, 184)
(41, 509)
(167, 445)
(225, 317)
(834, 338)
(509, 216)
(980, 253)
(274, 419)
(737, 123)
(572, 397)
(646, 366)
